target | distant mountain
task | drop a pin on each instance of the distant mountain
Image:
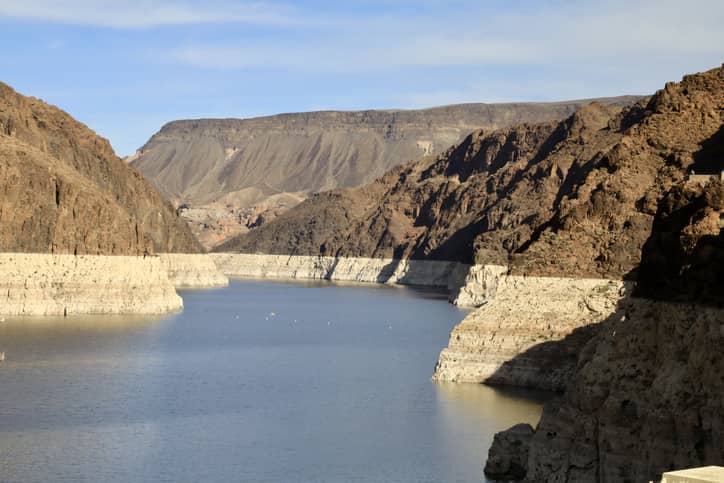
(570, 198)
(248, 167)
(63, 190)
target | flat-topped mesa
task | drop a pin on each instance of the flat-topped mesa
(313, 151)
(231, 175)
(46, 284)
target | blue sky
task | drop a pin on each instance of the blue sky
(125, 67)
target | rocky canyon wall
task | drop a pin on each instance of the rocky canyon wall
(371, 270)
(467, 285)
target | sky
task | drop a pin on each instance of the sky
(126, 67)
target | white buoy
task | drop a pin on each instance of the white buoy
(2, 356)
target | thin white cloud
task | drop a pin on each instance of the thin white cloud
(135, 14)
(617, 32)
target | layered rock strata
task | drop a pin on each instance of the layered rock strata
(45, 284)
(370, 270)
(529, 332)
(192, 271)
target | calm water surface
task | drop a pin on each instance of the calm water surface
(333, 387)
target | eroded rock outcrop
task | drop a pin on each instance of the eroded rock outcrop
(509, 461)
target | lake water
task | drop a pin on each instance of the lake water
(334, 386)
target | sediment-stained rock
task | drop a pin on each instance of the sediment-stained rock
(192, 270)
(45, 284)
(479, 286)
(430, 273)
(529, 333)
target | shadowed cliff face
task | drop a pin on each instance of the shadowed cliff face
(575, 198)
(63, 190)
(646, 395)
(683, 259)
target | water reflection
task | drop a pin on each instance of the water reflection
(65, 410)
(471, 414)
(335, 386)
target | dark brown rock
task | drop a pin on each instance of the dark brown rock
(63, 190)
(646, 396)
(508, 455)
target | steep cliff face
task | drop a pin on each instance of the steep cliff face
(63, 190)
(529, 333)
(646, 395)
(645, 399)
(247, 167)
(604, 221)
